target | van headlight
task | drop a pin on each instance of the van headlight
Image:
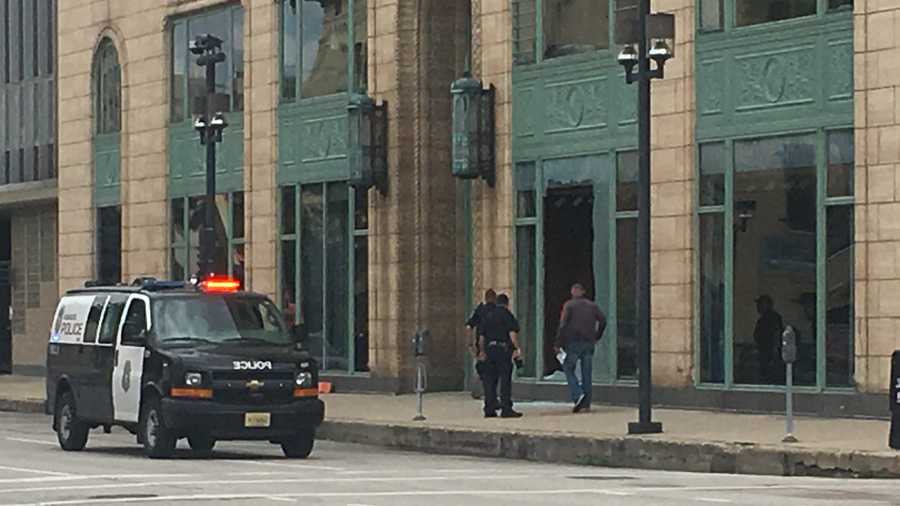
(304, 380)
(193, 379)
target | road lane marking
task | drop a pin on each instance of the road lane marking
(67, 488)
(36, 471)
(712, 499)
(314, 495)
(32, 441)
(89, 477)
(277, 464)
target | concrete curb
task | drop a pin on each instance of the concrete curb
(22, 405)
(625, 452)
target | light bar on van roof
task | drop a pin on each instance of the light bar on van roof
(220, 285)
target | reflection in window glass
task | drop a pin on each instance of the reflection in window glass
(526, 291)
(839, 296)
(524, 31)
(712, 298)
(753, 12)
(712, 174)
(626, 296)
(525, 196)
(361, 303)
(109, 242)
(361, 209)
(840, 164)
(575, 26)
(337, 276)
(237, 215)
(312, 269)
(838, 4)
(179, 239)
(290, 50)
(627, 181)
(774, 257)
(711, 14)
(288, 209)
(179, 64)
(111, 319)
(324, 52)
(237, 59)
(288, 280)
(107, 89)
(360, 45)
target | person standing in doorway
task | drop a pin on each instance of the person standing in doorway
(498, 345)
(490, 299)
(581, 326)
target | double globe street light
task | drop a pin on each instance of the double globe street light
(650, 37)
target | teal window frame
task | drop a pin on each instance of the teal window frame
(823, 203)
(606, 357)
(353, 233)
(181, 249)
(534, 34)
(728, 16)
(106, 106)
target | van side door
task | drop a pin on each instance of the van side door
(104, 355)
(92, 378)
(128, 362)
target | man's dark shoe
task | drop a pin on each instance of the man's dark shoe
(510, 414)
(490, 414)
(580, 404)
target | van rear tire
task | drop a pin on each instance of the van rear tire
(299, 446)
(159, 442)
(71, 432)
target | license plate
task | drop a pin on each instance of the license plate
(257, 419)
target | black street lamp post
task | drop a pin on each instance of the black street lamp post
(658, 30)
(208, 48)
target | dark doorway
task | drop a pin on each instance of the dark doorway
(5, 296)
(568, 256)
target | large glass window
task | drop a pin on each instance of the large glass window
(187, 216)
(320, 42)
(320, 279)
(189, 79)
(107, 89)
(526, 266)
(626, 262)
(753, 12)
(109, 244)
(575, 26)
(785, 267)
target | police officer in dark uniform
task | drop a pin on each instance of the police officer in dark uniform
(498, 346)
(490, 300)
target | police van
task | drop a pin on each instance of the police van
(170, 360)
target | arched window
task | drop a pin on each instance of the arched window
(107, 89)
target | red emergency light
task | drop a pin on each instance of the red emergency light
(220, 285)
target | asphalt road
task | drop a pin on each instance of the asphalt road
(112, 470)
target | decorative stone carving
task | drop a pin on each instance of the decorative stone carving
(709, 86)
(576, 105)
(324, 139)
(775, 79)
(840, 70)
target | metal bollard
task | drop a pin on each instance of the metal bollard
(421, 372)
(789, 356)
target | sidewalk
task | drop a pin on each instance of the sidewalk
(699, 441)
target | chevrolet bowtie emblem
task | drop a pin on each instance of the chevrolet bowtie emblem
(254, 384)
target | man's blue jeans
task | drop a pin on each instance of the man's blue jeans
(583, 352)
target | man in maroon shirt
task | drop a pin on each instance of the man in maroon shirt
(581, 326)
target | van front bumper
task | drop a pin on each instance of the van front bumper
(227, 421)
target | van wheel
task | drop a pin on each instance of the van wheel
(159, 442)
(201, 445)
(71, 432)
(300, 446)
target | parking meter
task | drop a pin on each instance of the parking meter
(789, 356)
(789, 345)
(418, 343)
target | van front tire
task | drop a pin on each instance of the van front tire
(71, 432)
(159, 442)
(299, 446)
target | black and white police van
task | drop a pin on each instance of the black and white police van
(170, 360)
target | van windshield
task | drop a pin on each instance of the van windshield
(218, 319)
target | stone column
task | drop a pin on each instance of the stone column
(672, 205)
(877, 188)
(413, 234)
(260, 125)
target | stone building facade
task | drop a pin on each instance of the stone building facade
(778, 122)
